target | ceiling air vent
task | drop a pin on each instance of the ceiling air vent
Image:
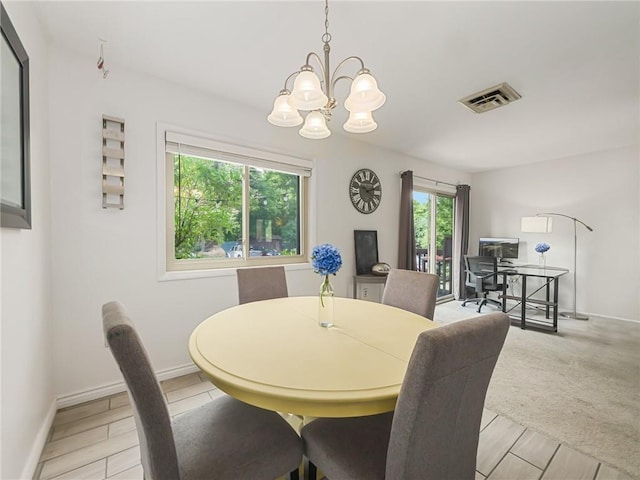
(490, 98)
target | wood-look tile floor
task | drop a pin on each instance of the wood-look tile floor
(98, 440)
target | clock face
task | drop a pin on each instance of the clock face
(365, 190)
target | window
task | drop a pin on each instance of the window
(433, 218)
(231, 206)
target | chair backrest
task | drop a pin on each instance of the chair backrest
(261, 283)
(485, 265)
(157, 447)
(436, 423)
(412, 291)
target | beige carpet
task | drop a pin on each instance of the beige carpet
(580, 385)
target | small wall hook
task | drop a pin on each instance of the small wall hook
(100, 63)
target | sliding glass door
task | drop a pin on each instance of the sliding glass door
(433, 217)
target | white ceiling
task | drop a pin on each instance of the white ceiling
(576, 65)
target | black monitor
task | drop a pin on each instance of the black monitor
(498, 247)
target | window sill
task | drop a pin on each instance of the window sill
(217, 272)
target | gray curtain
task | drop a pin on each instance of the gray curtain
(407, 241)
(461, 236)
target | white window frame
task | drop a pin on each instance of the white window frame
(202, 144)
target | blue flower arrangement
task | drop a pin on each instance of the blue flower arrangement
(542, 247)
(326, 259)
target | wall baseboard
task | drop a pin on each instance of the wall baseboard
(117, 387)
(39, 442)
(622, 319)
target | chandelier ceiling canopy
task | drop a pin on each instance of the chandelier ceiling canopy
(315, 95)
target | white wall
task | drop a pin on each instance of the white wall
(99, 255)
(601, 189)
(27, 349)
(102, 255)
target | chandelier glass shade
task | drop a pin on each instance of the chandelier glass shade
(284, 115)
(315, 126)
(364, 95)
(315, 95)
(307, 92)
(360, 122)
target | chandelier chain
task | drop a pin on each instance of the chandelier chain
(326, 38)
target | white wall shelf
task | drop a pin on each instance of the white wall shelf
(112, 162)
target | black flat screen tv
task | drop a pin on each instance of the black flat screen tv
(498, 247)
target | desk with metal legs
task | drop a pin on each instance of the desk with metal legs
(550, 277)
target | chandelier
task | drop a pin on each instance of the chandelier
(315, 96)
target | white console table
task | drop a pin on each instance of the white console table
(361, 284)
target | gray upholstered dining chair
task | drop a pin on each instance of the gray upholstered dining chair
(412, 291)
(433, 433)
(223, 439)
(261, 283)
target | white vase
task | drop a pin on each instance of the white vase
(325, 303)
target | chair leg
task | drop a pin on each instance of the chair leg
(495, 302)
(294, 475)
(312, 471)
(487, 301)
(482, 304)
(467, 300)
(471, 300)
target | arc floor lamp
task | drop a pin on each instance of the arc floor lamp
(573, 314)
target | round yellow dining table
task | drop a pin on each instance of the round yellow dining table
(273, 354)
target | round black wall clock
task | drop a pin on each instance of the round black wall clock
(365, 190)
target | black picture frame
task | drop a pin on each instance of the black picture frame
(15, 194)
(366, 243)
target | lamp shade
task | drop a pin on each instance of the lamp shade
(283, 114)
(315, 126)
(307, 93)
(536, 224)
(365, 95)
(360, 122)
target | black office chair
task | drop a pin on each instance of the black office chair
(482, 276)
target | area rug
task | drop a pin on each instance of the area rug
(580, 385)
